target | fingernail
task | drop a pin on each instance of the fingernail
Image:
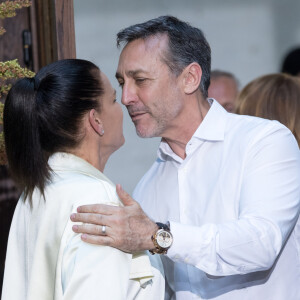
(78, 208)
(84, 236)
(75, 228)
(72, 216)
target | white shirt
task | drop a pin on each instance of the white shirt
(47, 260)
(232, 203)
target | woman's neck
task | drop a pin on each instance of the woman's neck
(91, 153)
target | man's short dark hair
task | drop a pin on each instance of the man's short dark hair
(187, 44)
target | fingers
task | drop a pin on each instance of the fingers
(96, 219)
(97, 240)
(92, 229)
(98, 208)
(124, 197)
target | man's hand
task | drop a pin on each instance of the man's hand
(128, 228)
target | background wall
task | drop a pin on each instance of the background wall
(248, 38)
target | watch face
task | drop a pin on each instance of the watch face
(164, 238)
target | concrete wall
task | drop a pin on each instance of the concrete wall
(248, 38)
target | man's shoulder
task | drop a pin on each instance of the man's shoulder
(250, 127)
(250, 136)
(250, 122)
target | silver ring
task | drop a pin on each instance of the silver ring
(103, 230)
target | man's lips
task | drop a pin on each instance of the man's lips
(137, 115)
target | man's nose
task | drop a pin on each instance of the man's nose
(129, 95)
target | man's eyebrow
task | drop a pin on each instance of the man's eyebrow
(135, 72)
(131, 73)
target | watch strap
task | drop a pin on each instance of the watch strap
(163, 226)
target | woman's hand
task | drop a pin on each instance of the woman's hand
(126, 228)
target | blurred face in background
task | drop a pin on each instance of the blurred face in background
(225, 91)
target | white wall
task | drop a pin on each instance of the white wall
(248, 38)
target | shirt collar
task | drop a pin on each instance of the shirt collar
(67, 162)
(212, 128)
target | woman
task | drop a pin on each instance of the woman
(60, 129)
(274, 97)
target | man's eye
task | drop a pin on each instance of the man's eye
(140, 80)
(121, 84)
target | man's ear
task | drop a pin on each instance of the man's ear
(96, 122)
(191, 78)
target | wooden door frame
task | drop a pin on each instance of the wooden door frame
(53, 31)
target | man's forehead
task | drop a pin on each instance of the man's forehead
(156, 41)
(148, 44)
(138, 54)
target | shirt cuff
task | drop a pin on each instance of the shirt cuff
(180, 235)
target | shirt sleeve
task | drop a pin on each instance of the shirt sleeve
(268, 208)
(91, 271)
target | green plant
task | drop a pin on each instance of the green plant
(8, 9)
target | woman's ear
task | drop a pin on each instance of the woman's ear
(96, 122)
(192, 77)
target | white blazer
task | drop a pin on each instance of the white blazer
(47, 260)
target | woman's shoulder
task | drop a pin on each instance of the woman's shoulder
(85, 189)
(78, 181)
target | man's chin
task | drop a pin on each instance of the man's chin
(144, 133)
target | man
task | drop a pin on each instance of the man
(228, 184)
(223, 87)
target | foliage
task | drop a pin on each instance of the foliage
(8, 9)
(11, 70)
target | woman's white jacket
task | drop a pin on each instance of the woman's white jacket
(47, 260)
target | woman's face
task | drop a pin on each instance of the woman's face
(111, 116)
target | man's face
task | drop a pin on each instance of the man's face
(149, 90)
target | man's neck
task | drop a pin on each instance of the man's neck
(187, 128)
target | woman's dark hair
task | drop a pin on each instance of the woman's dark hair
(43, 115)
(187, 44)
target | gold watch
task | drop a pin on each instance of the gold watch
(162, 239)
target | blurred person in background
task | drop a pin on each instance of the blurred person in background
(291, 63)
(223, 87)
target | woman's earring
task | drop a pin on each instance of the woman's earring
(102, 132)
